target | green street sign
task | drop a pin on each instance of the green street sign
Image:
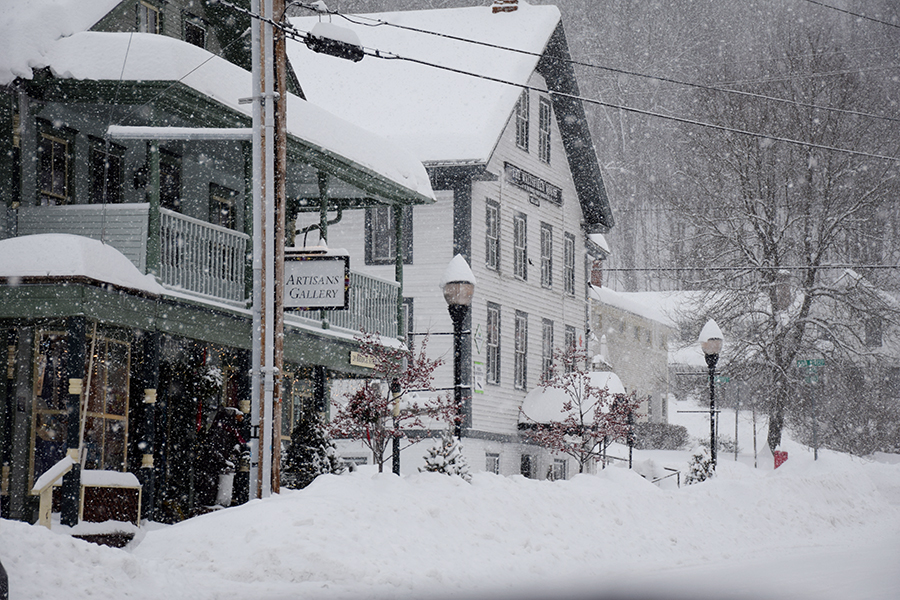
(811, 362)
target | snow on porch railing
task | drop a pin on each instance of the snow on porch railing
(201, 257)
(372, 306)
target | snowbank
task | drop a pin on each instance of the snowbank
(821, 530)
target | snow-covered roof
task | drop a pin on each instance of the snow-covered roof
(29, 29)
(545, 405)
(643, 305)
(148, 57)
(440, 115)
(600, 240)
(64, 255)
(53, 33)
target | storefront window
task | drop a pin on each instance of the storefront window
(51, 387)
(106, 419)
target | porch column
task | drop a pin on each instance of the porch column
(399, 247)
(153, 233)
(241, 491)
(6, 418)
(150, 380)
(71, 485)
(398, 276)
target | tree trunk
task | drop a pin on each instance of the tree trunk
(776, 412)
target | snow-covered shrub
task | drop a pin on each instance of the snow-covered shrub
(311, 453)
(660, 436)
(447, 458)
(700, 466)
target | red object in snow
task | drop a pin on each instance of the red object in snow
(780, 457)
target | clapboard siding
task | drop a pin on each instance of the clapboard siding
(497, 410)
(122, 226)
(432, 249)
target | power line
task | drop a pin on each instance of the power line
(180, 79)
(853, 13)
(290, 31)
(747, 268)
(390, 56)
(378, 23)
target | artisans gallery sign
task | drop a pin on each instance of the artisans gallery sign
(316, 281)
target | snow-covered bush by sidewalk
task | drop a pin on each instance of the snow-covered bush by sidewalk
(447, 458)
(700, 466)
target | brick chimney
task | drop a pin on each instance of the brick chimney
(504, 6)
(597, 273)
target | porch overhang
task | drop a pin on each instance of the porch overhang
(34, 299)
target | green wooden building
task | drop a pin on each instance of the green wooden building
(125, 257)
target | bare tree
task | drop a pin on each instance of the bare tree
(386, 407)
(768, 220)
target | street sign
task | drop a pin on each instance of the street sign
(812, 366)
(811, 362)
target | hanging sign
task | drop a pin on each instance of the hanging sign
(316, 281)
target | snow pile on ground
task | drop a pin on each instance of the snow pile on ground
(829, 529)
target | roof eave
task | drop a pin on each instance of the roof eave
(556, 68)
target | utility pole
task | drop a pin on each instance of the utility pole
(263, 370)
(279, 9)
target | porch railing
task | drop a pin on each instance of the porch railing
(373, 306)
(201, 257)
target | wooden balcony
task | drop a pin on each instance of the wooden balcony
(199, 258)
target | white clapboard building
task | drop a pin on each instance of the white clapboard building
(518, 190)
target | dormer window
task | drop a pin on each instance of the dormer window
(148, 18)
(194, 32)
(522, 108)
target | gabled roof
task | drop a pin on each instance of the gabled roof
(440, 115)
(328, 142)
(446, 117)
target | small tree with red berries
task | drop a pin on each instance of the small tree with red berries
(388, 405)
(590, 418)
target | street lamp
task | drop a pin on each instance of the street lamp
(711, 344)
(458, 285)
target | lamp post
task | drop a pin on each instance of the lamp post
(711, 344)
(395, 442)
(458, 285)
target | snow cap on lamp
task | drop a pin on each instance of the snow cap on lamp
(711, 338)
(458, 281)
